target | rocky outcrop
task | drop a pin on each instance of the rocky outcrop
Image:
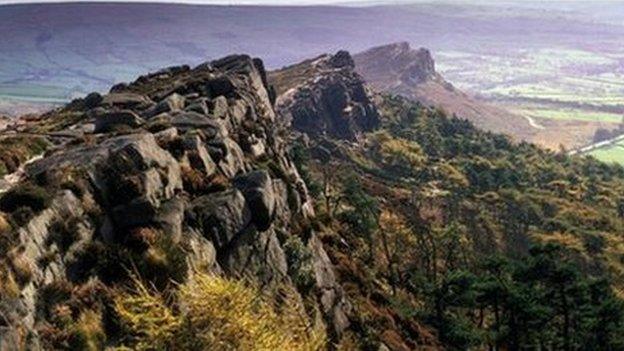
(257, 187)
(326, 96)
(185, 160)
(386, 65)
(38, 240)
(399, 69)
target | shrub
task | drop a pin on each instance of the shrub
(8, 285)
(399, 152)
(22, 215)
(25, 195)
(149, 319)
(300, 266)
(219, 182)
(84, 333)
(194, 181)
(87, 333)
(64, 233)
(15, 150)
(21, 267)
(152, 255)
(70, 316)
(162, 263)
(215, 314)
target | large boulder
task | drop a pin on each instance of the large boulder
(342, 59)
(106, 121)
(333, 100)
(126, 100)
(198, 156)
(191, 121)
(257, 187)
(132, 174)
(257, 255)
(220, 216)
(137, 178)
(172, 103)
(333, 301)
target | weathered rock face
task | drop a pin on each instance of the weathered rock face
(178, 157)
(396, 63)
(257, 187)
(399, 69)
(329, 99)
(37, 241)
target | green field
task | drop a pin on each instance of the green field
(612, 153)
(570, 114)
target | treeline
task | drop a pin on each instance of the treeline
(488, 243)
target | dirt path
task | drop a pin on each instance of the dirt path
(598, 145)
(533, 123)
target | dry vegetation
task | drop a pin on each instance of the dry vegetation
(214, 313)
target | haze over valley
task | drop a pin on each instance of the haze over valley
(561, 69)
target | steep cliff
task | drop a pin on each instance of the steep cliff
(325, 96)
(183, 171)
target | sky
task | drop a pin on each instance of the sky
(563, 3)
(231, 2)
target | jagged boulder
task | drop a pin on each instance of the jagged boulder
(106, 121)
(132, 174)
(174, 102)
(170, 218)
(126, 100)
(229, 156)
(199, 105)
(198, 156)
(221, 216)
(257, 187)
(333, 100)
(92, 100)
(342, 59)
(190, 121)
(136, 179)
(219, 107)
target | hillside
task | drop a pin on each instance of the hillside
(442, 232)
(223, 208)
(398, 69)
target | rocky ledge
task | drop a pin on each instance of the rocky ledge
(325, 96)
(185, 169)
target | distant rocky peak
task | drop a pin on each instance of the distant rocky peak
(411, 66)
(422, 67)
